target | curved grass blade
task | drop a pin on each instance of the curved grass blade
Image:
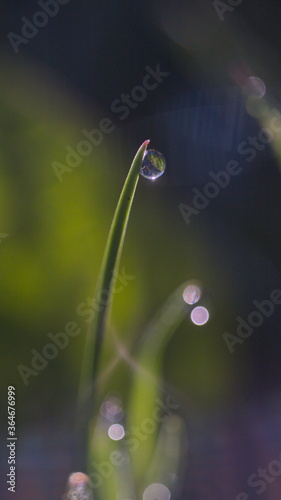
(105, 283)
(167, 462)
(148, 388)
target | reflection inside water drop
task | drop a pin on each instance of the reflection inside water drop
(153, 164)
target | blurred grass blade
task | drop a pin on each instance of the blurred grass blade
(105, 281)
(166, 464)
(119, 477)
(147, 387)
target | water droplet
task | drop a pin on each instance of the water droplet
(153, 164)
(192, 293)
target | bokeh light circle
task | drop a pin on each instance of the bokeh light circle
(199, 315)
(116, 432)
(157, 491)
(254, 87)
(111, 409)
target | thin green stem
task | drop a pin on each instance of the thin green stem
(108, 271)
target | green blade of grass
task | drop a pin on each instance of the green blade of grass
(105, 281)
(147, 385)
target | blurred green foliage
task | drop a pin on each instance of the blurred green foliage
(56, 236)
